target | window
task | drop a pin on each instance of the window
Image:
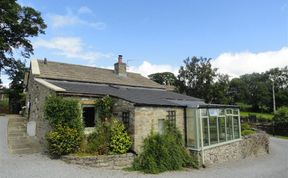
(126, 118)
(236, 127)
(161, 126)
(213, 130)
(205, 131)
(218, 125)
(222, 131)
(89, 116)
(171, 117)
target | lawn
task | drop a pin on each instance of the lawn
(258, 115)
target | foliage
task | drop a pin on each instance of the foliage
(196, 78)
(109, 137)
(247, 132)
(18, 25)
(63, 140)
(98, 142)
(104, 107)
(63, 111)
(164, 78)
(120, 142)
(15, 92)
(163, 153)
(263, 116)
(4, 104)
(246, 129)
(281, 116)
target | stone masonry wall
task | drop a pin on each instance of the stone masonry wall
(146, 118)
(106, 161)
(249, 146)
(36, 95)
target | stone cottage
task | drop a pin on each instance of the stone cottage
(141, 104)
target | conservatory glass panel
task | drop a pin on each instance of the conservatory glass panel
(229, 128)
(205, 131)
(236, 127)
(204, 112)
(191, 128)
(213, 130)
(221, 126)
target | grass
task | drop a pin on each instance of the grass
(258, 115)
(279, 136)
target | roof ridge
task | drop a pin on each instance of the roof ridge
(84, 66)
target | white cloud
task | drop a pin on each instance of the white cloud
(74, 18)
(70, 47)
(147, 68)
(236, 64)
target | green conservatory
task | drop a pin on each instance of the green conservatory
(211, 125)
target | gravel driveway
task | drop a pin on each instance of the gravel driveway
(273, 165)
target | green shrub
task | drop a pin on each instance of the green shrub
(98, 141)
(245, 126)
(108, 137)
(63, 140)
(247, 132)
(281, 116)
(104, 107)
(120, 142)
(67, 111)
(163, 153)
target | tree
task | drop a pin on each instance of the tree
(164, 78)
(15, 92)
(17, 25)
(221, 90)
(196, 78)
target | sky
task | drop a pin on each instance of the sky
(240, 36)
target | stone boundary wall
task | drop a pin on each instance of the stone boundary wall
(103, 161)
(250, 146)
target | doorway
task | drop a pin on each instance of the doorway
(89, 116)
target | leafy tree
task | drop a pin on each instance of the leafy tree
(196, 78)
(221, 90)
(18, 25)
(164, 78)
(15, 92)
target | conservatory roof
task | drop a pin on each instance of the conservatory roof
(201, 104)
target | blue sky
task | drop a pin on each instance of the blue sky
(242, 36)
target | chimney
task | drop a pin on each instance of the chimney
(120, 67)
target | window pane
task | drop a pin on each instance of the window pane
(204, 112)
(228, 111)
(221, 112)
(191, 128)
(205, 131)
(171, 117)
(229, 128)
(221, 126)
(235, 111)
(161, 126)
(213, 130)
(236, 127)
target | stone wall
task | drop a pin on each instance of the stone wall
(250, 146)
(107, 161)
(146, 118)
(36, 95)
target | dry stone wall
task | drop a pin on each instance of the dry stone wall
(106, 161)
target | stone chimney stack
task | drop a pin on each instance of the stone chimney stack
(120, 67)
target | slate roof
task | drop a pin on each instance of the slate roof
(137, 95)
(72, 72)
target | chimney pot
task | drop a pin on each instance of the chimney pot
(120, 59)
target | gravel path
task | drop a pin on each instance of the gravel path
(29, 166)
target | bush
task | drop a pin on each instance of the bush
(98, 141)
(104, 107)
(63, 140)
(67, 111)
(281, 116)
(163, 153)
(120, 142)
(245, 126)
(109, 137)
(247, 132)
